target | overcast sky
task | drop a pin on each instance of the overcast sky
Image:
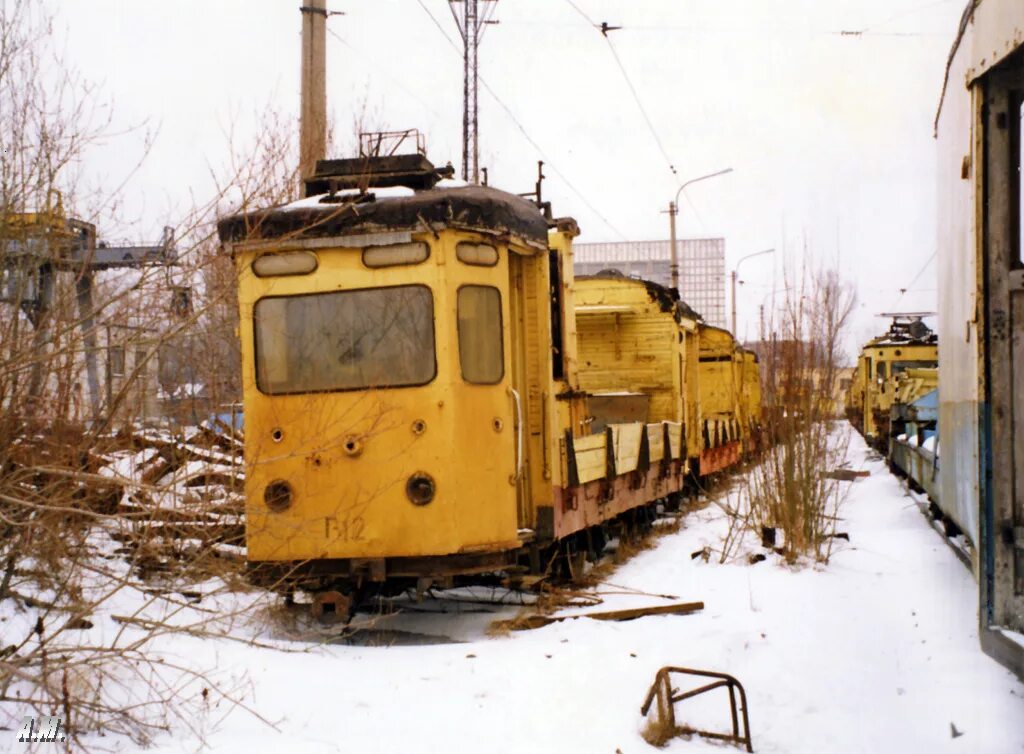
(829, 135)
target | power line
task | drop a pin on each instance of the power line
(377, 69)
(439, 27)
(604, 29)
(761, 32)
(577, 9)
(917, 277)
(522, 130)
(550, 164)
(901, 14)
(640, 105)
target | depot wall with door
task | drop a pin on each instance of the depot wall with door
(981, 299)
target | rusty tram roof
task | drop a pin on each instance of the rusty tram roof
(667, 298)
(476, 208)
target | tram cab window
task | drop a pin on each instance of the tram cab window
(396, 255)
(481, 254)
(880, 371)
(481, 351)
(902, 366)
(345, 340)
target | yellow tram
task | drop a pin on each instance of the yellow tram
(412, 403)
(909, 344)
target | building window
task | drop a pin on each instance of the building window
(181, 300)
(481, 351)
(115, 359)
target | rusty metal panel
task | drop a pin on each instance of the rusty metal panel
(1004, 316)
(958, 330)
(998, 29)
(590, 503)
(618, 408)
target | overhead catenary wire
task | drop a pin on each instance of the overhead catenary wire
(643, 110)
(522, 129)
(924, 267)
(603, 29)
(870, 29)
(377, 69)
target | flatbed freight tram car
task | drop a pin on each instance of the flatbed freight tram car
(412, 406)
(644, 354)
(723, 370)
(638, 348)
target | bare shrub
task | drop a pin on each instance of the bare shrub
(84, 539)
(789, 490)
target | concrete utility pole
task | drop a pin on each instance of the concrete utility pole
(673, 210)
(673, 265)
(313, 111)
(471, 26)
(735, 273)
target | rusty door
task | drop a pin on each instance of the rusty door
(1003, 310)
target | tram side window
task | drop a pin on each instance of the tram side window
(345, 340)
(481, 351)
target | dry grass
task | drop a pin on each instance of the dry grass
(554, 597)
(658, 732)
(73, 542)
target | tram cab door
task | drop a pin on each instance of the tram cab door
(525, 365)
(1003, 294)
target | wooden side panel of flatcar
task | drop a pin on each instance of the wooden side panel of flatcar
(626, 344)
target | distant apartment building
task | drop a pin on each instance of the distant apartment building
(701, 268)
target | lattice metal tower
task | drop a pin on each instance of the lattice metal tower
(471, 22)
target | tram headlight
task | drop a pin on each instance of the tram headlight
(278, 495)
(420, 488)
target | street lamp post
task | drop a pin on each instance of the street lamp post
(735, 273)
(673, 209)
(760, 328)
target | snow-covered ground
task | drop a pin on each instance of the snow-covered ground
(875, 652)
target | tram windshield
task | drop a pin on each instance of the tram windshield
(345, 340)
